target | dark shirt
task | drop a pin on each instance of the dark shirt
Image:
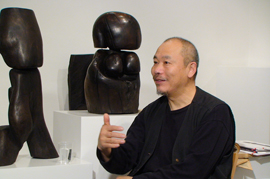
(163, 152)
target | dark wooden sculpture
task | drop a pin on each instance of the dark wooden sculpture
(77, 68)
(112, 81)
(21, 48)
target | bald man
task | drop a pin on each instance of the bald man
(186, 133)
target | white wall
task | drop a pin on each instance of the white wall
(226, 34)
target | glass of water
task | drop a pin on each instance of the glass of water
(65, 152)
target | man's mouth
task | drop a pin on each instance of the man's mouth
(159, 80)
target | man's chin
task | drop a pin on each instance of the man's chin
(162, 93)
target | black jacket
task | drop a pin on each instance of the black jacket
(153, 115)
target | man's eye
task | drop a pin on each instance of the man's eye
(166, 62)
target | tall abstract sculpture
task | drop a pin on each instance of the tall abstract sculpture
(21, 49)
(112, 81)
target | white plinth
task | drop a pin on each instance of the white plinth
(26, 167)
(82, 129)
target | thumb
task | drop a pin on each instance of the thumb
(106, 119)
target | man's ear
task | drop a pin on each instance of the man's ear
(192, 69)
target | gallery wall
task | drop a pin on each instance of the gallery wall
(226, 33)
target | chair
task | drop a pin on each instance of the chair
(235, 159)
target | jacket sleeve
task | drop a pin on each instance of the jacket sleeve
(125, 158)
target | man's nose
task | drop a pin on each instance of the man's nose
(158, 68)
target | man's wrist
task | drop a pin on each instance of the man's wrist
(106, 154)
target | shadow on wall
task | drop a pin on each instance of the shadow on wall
(62, 89)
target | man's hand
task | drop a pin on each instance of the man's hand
(109, 139)
(124, 177)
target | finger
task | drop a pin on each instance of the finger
(110, 143)
(113, 143)
(113, 128)
(106, 119)
(115, 135)
(110, 146)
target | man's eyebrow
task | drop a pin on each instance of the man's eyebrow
(163, 57)
(166, 57)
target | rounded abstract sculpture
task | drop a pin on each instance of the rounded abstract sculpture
(112, 82)
(117, 31)
(21, 48)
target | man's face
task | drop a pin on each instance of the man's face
(169, 72)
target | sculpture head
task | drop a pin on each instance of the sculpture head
(117, 30)
(20, 38)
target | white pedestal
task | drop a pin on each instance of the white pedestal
(26, 167)
(82, 129)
